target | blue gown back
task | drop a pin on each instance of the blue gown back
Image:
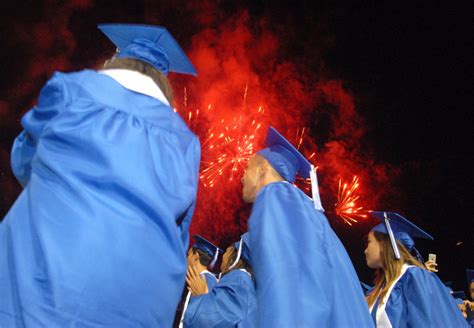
(419, 299)
(304, 277)
(98, 237)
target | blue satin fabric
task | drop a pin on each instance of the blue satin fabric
(98, 237)
(147, 51)
(211, 280)
(231, 303)
(303, 274)
(419, 299)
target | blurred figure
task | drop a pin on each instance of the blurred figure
(303, 274)
(405, 293)
(232, 302)
(98, 237)
(470, 283)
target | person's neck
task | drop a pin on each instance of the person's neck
(270, 179)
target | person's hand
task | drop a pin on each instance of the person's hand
(469, 305)
(197, 285)
(462, 307)
(431, 266)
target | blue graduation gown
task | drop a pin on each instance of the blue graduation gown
(231, 303)
(211, 279)
(303, 275)
(418, 299)
(98, 237)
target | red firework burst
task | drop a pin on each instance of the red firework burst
(345, 206)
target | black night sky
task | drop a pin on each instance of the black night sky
(408, 67)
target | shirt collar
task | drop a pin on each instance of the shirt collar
(136, 81)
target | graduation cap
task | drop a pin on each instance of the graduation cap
(151, 44)
(448, 284)
(243, 250)
(207, 247)
(460, 294)
(399, 228)
(469, 276)
(288, 161)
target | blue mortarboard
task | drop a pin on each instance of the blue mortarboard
(460, 295)
(448, 284)
(288, 161)
(151, 44)
(399, 228)
(243, 250)
(207, 247)
(469, 276)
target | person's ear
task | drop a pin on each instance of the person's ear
(263, 168)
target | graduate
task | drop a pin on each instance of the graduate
(470, 283)
(98, 236)
(405, 293)
(202, 256)
(469, 305)
(232, 302)
(303, 274)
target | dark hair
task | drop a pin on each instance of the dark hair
(142, 67)
(204, 258)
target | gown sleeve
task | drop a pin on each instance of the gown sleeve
(52, 99)
(193, 155)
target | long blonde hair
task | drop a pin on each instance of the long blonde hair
(391, 267)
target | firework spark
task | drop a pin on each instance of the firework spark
(228, 146)
(228, 143)
(346, 207)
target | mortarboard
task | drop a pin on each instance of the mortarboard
(399, 228)
(460, 294)
(288, 161)
(448, 283)
(243, 250)
(151, 44)
(207, 247)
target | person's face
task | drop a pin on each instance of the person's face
(372, 252)
(193, 257)
(471, 290)
(226, 258)
(251, 180)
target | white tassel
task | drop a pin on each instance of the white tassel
(239, 253)
(392, 237)
(214, 260)
(315, 189)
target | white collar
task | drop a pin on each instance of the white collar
(245, 272)
(206, 271)
(136, 81)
